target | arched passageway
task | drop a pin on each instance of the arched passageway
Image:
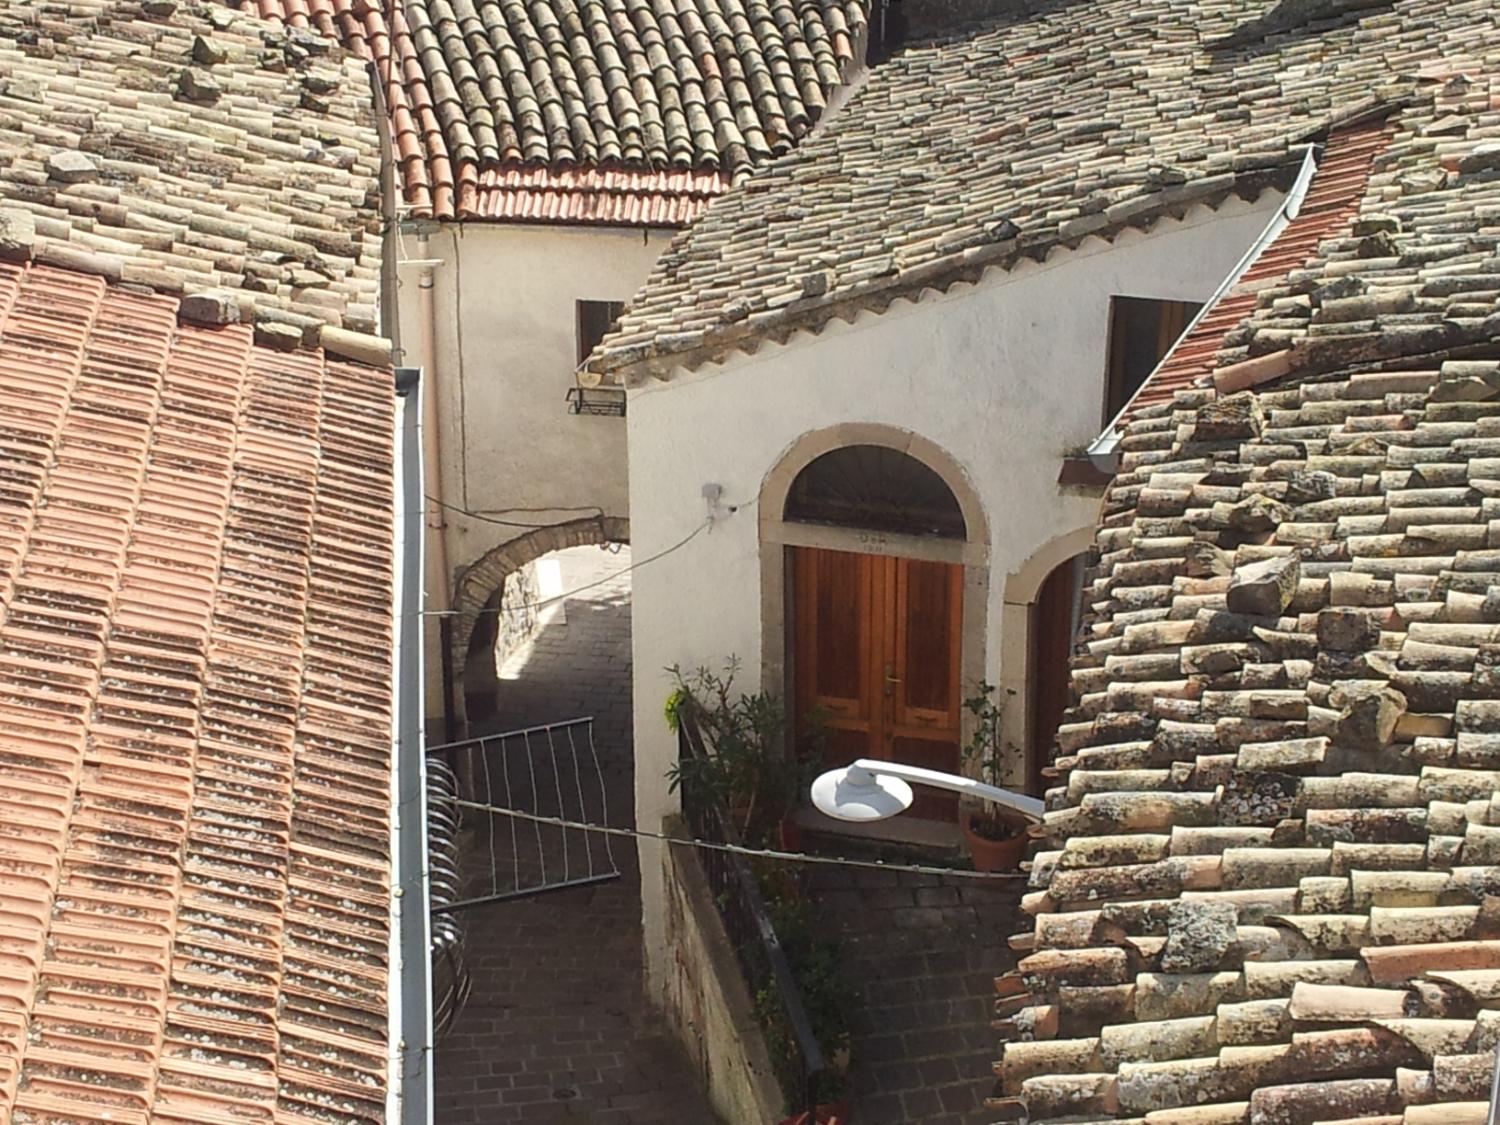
(480, 613)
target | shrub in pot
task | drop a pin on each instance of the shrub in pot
(754, 763)
(997, 837)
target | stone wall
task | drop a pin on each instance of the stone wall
(507, 623)
(706, 1004)
(518, 612)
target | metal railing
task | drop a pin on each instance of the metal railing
(451, 982)
(796, 1055)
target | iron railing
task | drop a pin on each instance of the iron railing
(796, 1055)
(451, 982)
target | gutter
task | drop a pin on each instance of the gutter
(1104, 450)
(410, 995)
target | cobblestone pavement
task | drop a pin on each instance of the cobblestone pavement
(923, 953)
(556, 1029)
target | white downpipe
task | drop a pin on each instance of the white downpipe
(432, 468)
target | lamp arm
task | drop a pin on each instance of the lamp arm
(1030, 807)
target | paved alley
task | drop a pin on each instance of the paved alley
(923, 952)
(556, 1029)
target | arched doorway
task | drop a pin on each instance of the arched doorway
(1039, 625)
(875, 546)
(480, 587)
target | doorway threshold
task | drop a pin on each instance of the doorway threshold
(910, 831)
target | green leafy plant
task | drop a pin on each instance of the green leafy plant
(754, 762)
(817, 965)
(984, 751)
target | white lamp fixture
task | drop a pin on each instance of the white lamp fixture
(870, 790)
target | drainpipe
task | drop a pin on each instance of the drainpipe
(432, 458)
(439, 598)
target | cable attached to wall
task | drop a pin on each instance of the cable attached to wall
(738, 849)
(593, 510)
(624, 570)
(713, 518)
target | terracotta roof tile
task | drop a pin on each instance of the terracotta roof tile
(263, 184)
(182, 938)
(1331, 203)
(1070, 122)
(1269, 881)
(623, 112)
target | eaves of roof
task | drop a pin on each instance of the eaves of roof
(1034, 131)
(745, 328)
(1330, 197)
(541, 95)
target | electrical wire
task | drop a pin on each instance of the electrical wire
(634, 566)
(595, 512)
(738, 849)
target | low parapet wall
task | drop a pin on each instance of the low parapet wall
(705, 1001)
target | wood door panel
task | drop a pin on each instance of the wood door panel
(925, 718)
(840, 592)
(929, 803)
(876, 645)
(833, 598)
(925, 635)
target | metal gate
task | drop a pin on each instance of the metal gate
(482, 857)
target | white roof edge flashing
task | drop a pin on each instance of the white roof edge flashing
(1103, 451)
(409, 996)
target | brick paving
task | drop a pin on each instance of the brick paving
(923, 952)
(557, 1029)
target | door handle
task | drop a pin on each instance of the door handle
(890, 679)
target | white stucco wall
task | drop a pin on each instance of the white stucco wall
(506, 348)
(1006, 376)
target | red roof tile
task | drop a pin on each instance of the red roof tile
(625, 114)
(195, 649)
(1331, 204)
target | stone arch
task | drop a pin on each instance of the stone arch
(809, 447)
(1022, 589)
(478, 585)
(972, 552)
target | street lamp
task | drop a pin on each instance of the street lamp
(871, 790)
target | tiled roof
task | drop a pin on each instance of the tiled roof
(1040, 132)
(495, 103)
(188, 150)
(1331, 202)
(195, 716)
(1269, 890)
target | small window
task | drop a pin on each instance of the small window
(595, 319)
(1141, 331)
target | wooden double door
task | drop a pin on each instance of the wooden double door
(876, 650)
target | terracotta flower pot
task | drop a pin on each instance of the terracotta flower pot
(996, 855)
(829, 1113)
(791, 833)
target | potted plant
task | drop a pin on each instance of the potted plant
(817, 962)
(751, 763)
(997, 837)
